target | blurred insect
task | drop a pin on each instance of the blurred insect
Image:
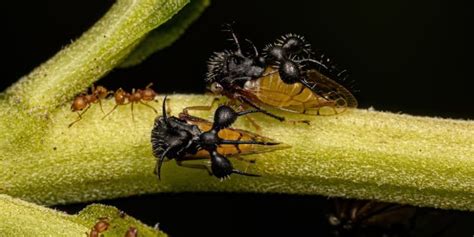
(285, 77)
(101, 226)
(131, 232)
(137, 96)
(190, 138)
(83, 101)
(370, 218)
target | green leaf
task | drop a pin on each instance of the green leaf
(166, 34)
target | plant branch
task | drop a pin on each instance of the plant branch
(93, 55)
(20, 218)
(360, 154)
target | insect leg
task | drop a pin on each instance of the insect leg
(194, 166)
(281, 119)
(201, 107)
(248, 161)
(110, 111)
(100, 105)
(149, 106)
(79, 116)
(133, 117)
(254, 124)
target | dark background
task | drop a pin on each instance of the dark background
(404, 56)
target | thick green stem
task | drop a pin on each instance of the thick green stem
(20, 218)
(94, 54)
(361, 154)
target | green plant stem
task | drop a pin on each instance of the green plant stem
(20, 218)
(94, 54)
(360, 154)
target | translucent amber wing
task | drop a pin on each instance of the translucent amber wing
(316, 94)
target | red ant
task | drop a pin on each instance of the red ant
(99, 227)
(83, 101)
(137, 96)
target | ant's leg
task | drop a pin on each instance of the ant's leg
(100, 105)
(201, 107)
(110, 111)
(149, 106)
(133, 117)
(79, 116)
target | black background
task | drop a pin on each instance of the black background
(404, 56)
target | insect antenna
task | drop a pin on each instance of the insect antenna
(228, 28)
(163, 107)
(253, 46)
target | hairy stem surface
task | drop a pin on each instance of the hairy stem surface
(360, 154)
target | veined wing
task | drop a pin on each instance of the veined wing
(315, 94)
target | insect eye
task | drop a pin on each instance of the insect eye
(216, 87)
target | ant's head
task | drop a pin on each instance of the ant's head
(79, 103)
(148, 94)
(100, 92)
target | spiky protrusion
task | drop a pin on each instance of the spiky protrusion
(288, 44)
(216, 65)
